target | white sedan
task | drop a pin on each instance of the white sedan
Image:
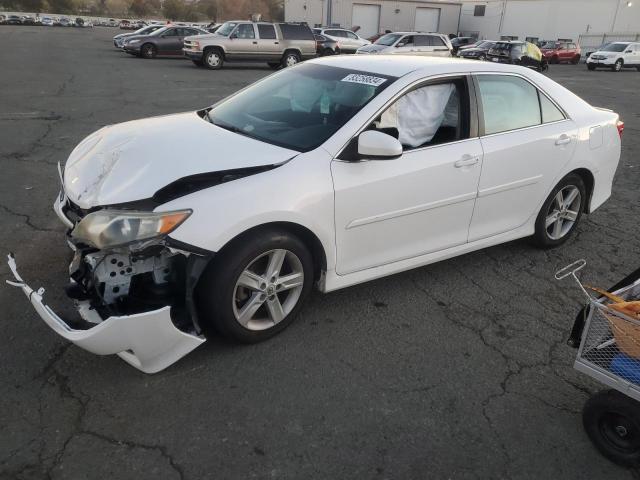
(331, 173)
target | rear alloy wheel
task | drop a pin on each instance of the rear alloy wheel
(290, 59)
(618, 65)
(554, 59)
(561, 212)
(256, 287)
(326, 52)
(148, 50)
(213, 59)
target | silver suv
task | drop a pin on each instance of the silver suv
(278, 44)
(410, 43)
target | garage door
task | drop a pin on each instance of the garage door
(367, 17)
(427, 19)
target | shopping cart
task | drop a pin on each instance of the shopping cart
(609, 352)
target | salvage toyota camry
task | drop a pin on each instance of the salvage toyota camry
(331, 173)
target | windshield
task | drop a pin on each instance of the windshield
(299, 108)
(550, 45)
(226, 28)
(615, 47)
(388, 39)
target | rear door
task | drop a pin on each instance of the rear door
(268, 44)
(633, 57)
(527, 140)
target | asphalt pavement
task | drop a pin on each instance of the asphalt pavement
(458, 370)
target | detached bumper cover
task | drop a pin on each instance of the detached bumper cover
(148, 341)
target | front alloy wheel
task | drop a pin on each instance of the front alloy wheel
(618, 65)
(268, 289)
(255, 286)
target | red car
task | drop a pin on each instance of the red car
(556, 52)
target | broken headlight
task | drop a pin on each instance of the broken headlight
(111, 228)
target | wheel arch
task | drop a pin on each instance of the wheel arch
(297, 51)
(214, 47)
(308, 237)
(589, 184)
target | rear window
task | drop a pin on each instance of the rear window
(296, 32)
(266, 31)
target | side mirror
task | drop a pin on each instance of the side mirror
(401, 44)
(233, 35)
(627, 51)
(376, 145)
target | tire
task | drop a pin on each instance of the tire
(618, 65)
(591, 67)
(274, 66)
(327, 52)
(226, 304)
(575, 60)
(197, 63)
(554, 60)
(566, 211)
(148, 50)
(289, 59)
(213, 59)
(612, 422)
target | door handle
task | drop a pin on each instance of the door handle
(276, 43)
(563, 140)
(466, 161)
(255, 43)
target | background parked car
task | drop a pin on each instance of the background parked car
(326, 46)
(47, 22)
(518, 53)
(557, 52)
(13, 20)
(616, 56)
(118, 40)
(348, 42)
(458, 42)
(28, 20)
(167, 41)
(63, 22)
(410, 43)
(278, 44)
(478, 51)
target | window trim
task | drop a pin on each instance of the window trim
(474, 115)
(480, 109)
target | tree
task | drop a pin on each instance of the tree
(172, 9)
(209, 9)
(140, 8)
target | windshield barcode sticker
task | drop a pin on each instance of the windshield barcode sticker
(364, 79)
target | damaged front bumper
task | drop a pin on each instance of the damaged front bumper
(148, 340)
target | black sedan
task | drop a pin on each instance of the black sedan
(167, 41)
(13, 20)
(477, 51)
(326, 46)
(518, 53)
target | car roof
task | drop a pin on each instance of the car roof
(401, 65)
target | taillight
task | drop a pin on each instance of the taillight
(620, 125)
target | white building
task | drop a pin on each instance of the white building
(551, 19)
(376, 16)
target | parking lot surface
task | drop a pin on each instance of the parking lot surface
(457, 370)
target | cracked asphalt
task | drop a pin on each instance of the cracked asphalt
(454, 371)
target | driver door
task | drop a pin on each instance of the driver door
(422, 202)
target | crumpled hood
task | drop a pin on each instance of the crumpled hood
(133, 160)
(372, 48)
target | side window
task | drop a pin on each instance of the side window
(422, 40)
(245, 30)
(437, 41)
(508, 103)
(351, 35)
(266, 31)
(173, 32)
(406, 41)
(429, 115)
(550, 113)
